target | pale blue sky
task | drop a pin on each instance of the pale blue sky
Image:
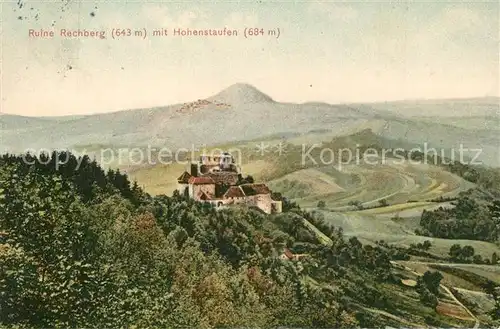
(327, 51)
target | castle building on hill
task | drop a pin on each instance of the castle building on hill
(217, 180)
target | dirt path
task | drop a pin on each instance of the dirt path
(451, 264)
(477, 323)
(462, 305)
(394, 317)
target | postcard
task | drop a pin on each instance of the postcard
(237, 164)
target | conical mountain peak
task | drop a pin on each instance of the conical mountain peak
(241, 93)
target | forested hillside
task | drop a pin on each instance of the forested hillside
(84, 248)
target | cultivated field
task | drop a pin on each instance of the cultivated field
(398, 183)
(370, 228)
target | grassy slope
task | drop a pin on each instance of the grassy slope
(397, 183)
(370, 228)
(410, 311)
(483, 302)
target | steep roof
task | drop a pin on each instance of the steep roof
(184, 178)
(254, 189)
(234, 192)
(224, 177)
(201, 180)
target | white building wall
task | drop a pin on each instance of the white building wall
(181, 188)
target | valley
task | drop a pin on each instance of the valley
(380, 203)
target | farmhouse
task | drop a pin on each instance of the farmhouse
(217, 180)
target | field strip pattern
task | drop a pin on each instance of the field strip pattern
(370, 184)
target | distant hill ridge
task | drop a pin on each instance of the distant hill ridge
(367, 138)
(241, 112)
(244, 93)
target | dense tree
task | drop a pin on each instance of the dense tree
(469, 219)
(432, 280)
(428, 288)
(426, 245)
(494, 259)
(462, 254)
(427, 298)
(383, 203)
(495, 313)
(477, 259)
(82, 247)
(467, 252)
(455, 251)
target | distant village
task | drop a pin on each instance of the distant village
(217, 180)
